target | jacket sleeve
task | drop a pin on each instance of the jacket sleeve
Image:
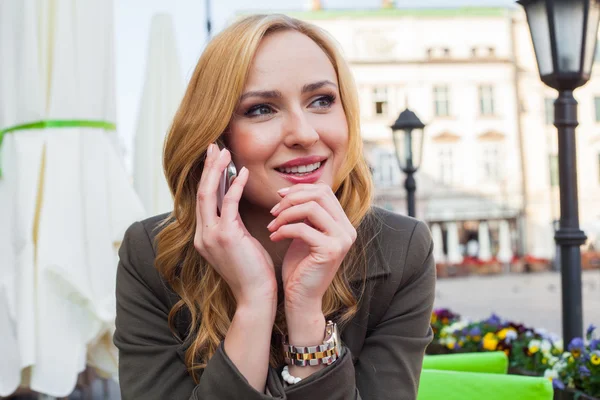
(389, 364)
(150, 362)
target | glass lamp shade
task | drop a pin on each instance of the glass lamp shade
(407, 133)
(564, 34)
(409, 148)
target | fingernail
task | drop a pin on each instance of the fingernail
(210, 149)
(222, 153)
(274, 209)
(284, 190)
(270, 224)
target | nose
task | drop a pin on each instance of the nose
(298, 131)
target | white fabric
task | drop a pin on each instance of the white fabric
(485, 251)
(163, 90)
(65, 198)
(438, 243)
(454, 255)
(505, 253)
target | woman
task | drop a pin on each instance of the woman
(214, 305)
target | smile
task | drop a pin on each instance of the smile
(301, 169)
(308, 173)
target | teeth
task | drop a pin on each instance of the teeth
(302, 169)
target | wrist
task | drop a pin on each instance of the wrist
(305, 329)
(257, 309)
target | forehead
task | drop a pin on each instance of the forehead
(288, 58)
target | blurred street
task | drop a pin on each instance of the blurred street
(532, 299)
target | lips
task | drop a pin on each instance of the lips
(311, 174)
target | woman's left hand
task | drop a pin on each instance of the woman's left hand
(312, 217)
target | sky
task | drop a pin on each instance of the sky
(132, 29)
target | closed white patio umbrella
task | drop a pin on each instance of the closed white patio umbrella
(454, 256)
(162, 93)
(505, 253)
(438, 243)
(485, 251)
(68, 197)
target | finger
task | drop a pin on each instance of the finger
(323, 195)
(207, 161)
(207, 193)
(308, 235)
(231, 201)
(311, 211)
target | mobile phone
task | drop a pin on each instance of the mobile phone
(227, 177)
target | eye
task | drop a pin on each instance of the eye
(258, 110)
(324, 101)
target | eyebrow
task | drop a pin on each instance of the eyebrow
(276, 94)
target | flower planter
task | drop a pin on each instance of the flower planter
(436, 348)
(570, 394)
(521, 371)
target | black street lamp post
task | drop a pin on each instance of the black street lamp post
(407, 133)
(564, 38)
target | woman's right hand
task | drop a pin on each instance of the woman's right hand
(225, 242)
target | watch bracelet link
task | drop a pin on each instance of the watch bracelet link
(305, 360)
(326, 353)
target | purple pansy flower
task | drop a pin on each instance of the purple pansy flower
(493, 320)
(584, 371)
(475, 331)
(590, 330)
(558, 384)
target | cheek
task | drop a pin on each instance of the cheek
(251, 145)
(334, 132)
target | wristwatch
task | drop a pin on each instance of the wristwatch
(325, 353)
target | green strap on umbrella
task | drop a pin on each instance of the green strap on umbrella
(75, 123)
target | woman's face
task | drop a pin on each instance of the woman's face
(290, 126)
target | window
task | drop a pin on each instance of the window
(380, 99)
(446, 165)
(385, 168)
(549, 110)
(441, 101)
(486, 100)
(491, 161)
(597, 107)
(599, 168)
(553, 170)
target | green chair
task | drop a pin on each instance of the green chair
(476, 376)
(451, 385)
(495, 362)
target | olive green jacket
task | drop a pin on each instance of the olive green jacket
(384, 343)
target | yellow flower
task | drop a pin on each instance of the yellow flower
(433, 318)
(490, 341)
(544, 361)
(571, 360)
(595, 359)
(534, 346)
(503, 332)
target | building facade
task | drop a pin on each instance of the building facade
(490, 149)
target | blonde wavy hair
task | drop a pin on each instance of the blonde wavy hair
(204, 114)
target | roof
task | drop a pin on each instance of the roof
(394, 13)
